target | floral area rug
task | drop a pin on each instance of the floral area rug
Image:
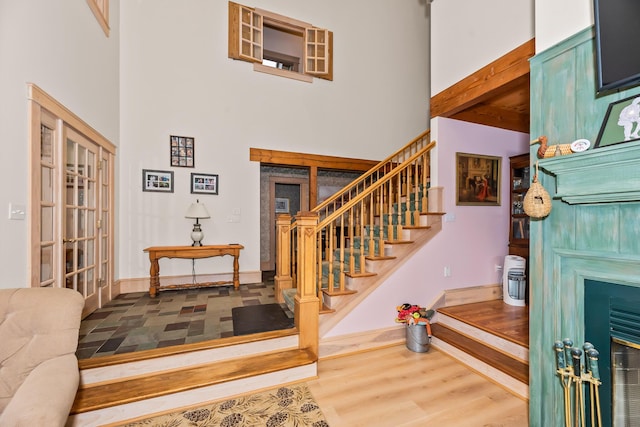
(292, 406)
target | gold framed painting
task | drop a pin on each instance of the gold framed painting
(477, 180)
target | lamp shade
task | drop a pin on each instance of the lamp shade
(197, 210)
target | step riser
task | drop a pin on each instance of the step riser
(185, 360)
(193, 397)
(497, 376)
(504, 346)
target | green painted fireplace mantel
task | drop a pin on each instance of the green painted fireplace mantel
(592, 231)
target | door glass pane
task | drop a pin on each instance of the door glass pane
(81, 223)
(91, 202)
(81, 284)
(91, 283)
(81, 254)
(82, 163)
(71, 156)
(69, 257)
(104, 249)
(90, 246)
(91, 224)
(70, 225)
(46, 263)
(46, 184)
(46, 144)
(46, 224)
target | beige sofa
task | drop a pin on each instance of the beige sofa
(38, 367)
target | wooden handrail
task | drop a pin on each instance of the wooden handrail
(321, 247)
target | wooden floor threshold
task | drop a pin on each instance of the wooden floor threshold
(115, 393)
(498, 360)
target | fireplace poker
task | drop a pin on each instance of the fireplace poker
(595, 380)
(587, 369)
(576, 355)
(565, 379)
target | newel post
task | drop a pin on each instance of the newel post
(307, 309)
(282, 279)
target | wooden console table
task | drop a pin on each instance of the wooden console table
(190, 252)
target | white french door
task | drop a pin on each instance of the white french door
(71, 203)
(81, 199)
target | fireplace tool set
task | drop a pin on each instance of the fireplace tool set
(574, 375)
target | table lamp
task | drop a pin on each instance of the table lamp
(198, 211)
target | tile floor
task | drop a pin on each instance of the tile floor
(133, 322)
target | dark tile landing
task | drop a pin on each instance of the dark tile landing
(134, 322)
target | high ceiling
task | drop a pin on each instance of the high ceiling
(496, 95)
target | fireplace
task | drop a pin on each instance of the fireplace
(612, 319)
(591, 239)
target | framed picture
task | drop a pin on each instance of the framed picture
(621, 122)
(282, 205)
(182, 148)
(477, 180)
(204, 183)
(161, 181)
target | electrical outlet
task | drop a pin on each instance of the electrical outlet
(498, 268)
(447, 271)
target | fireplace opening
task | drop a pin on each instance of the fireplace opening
(625, 382)
(612, 325)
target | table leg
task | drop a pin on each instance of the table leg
(236, 273)
(154, 280)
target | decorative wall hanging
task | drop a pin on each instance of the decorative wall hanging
(204, 183)
(161, 181)
(621, 122)
(537, 202)
(477, 180)
(182, 148)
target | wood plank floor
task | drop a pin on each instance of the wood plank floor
(397, 387)
(506, 321)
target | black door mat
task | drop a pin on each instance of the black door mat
(259, 318)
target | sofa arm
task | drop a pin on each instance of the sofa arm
(46, 395)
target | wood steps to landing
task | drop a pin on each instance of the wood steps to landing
(504, 363)
(491, 335)
(143, 379)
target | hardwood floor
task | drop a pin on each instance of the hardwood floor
(397, 387)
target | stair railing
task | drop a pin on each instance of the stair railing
(320, 249)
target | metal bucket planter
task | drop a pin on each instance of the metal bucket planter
(417, 338)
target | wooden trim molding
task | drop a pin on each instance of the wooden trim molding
(288, 158)
(504, 75)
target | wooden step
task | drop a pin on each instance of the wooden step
(496, 359)
(122, 391)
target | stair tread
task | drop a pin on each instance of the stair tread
(504, 363)
(104, 395)
(508, 322)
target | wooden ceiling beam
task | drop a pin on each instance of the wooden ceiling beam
(288, 158)
(484, 83)
(490, 115)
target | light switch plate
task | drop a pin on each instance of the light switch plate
(17, 211)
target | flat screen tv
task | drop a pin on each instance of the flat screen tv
(617, 36)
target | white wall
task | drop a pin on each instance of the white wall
(558, 20)
(178, 80)
(466, 35)
(58, 45)
(472, 244)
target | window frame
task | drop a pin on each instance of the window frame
(254, 21)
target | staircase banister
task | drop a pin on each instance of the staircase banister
(345, 208)
(371, 171)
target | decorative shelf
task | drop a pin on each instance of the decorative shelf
(600, 175)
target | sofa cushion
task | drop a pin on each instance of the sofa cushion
(36, 325)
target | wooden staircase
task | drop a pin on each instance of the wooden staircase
(121, 387)
(490, 337)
